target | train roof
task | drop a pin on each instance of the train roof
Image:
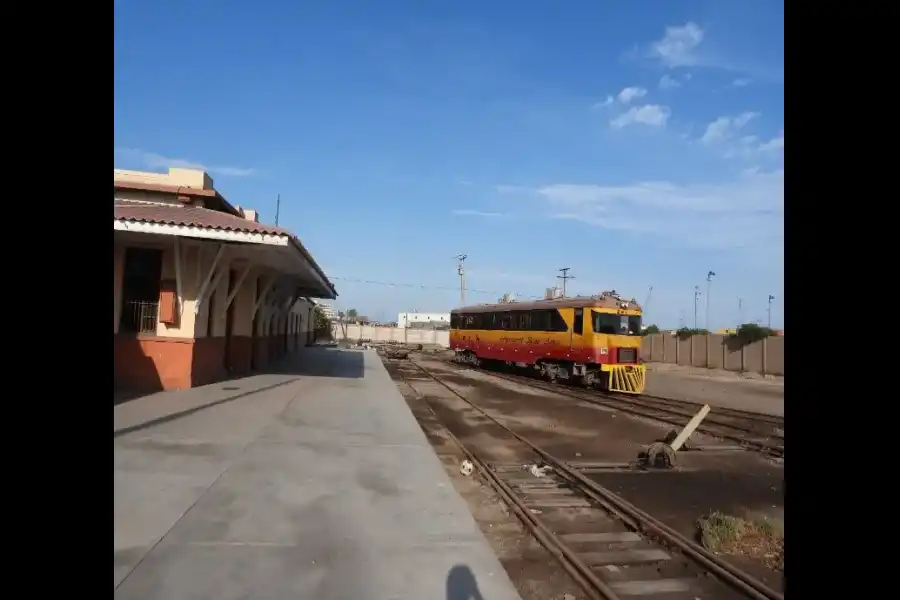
(603, 301)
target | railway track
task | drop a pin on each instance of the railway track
(754, 431)
(609, 547)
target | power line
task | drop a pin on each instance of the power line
(565, 277)
(426, 287)
(461, 269)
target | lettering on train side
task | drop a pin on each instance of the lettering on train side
(529, 340)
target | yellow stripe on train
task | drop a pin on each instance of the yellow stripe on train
(628, 379)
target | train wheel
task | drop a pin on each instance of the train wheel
(587, 380)
(551, 374)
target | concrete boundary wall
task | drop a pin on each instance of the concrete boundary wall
(710, 351)
(716, 352)
(391, 334)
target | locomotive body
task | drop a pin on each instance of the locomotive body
(593, 340)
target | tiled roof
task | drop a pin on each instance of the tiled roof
(189, 216)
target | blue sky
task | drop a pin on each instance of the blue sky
(640, 144)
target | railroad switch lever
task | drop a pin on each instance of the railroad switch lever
(661, 455)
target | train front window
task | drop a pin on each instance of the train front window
(616, 324)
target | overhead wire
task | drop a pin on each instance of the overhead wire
(447, 288)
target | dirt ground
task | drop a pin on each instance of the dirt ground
(740, 486)
(716, 388)
(534, 572)
(737, 483)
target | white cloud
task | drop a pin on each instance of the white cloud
(746, 212)
(465, 212)
(677, 47)
(751, 148)
(604, 103)
(776, 144)
(667, 82)
(653, 115)
(151, 160)
(724, 128)
(740, 82)
(723, 134)
(631, 93)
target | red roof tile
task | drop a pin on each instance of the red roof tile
(191, 217)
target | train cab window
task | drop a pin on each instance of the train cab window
(616, 324)
(454, 321)
(578, 327)
(471, 322)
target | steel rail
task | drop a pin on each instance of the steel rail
(634, 516)
(617, 403)
(737, 413)
(574, 566)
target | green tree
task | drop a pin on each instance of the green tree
(352, 314)
(322, 322)
(650, 329)
(751, 332)
(687, 332)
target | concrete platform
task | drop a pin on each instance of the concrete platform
(313, 482)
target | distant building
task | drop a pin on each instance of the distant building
(327, 309)
(417, 320)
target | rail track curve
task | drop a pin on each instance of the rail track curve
(606, 564)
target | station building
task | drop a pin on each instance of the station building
(202, 290)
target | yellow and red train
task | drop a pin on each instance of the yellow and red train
(594, 340)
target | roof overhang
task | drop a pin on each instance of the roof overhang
(280, 252)
(182, 193)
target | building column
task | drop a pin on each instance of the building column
(261, 341)
(241, 344)
(118, 271)
(209, 348)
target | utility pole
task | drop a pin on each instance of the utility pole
(709, 277)
(461, 269)
(647, 301)
(565, 277)
(696, 297)
(277, 208)
(740, 311)
(769, 310)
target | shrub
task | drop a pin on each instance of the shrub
(686, 332)
(751, 332)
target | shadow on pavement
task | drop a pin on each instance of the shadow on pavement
(461, 584)
(322, 361)
(312, 362)
(178, 415)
